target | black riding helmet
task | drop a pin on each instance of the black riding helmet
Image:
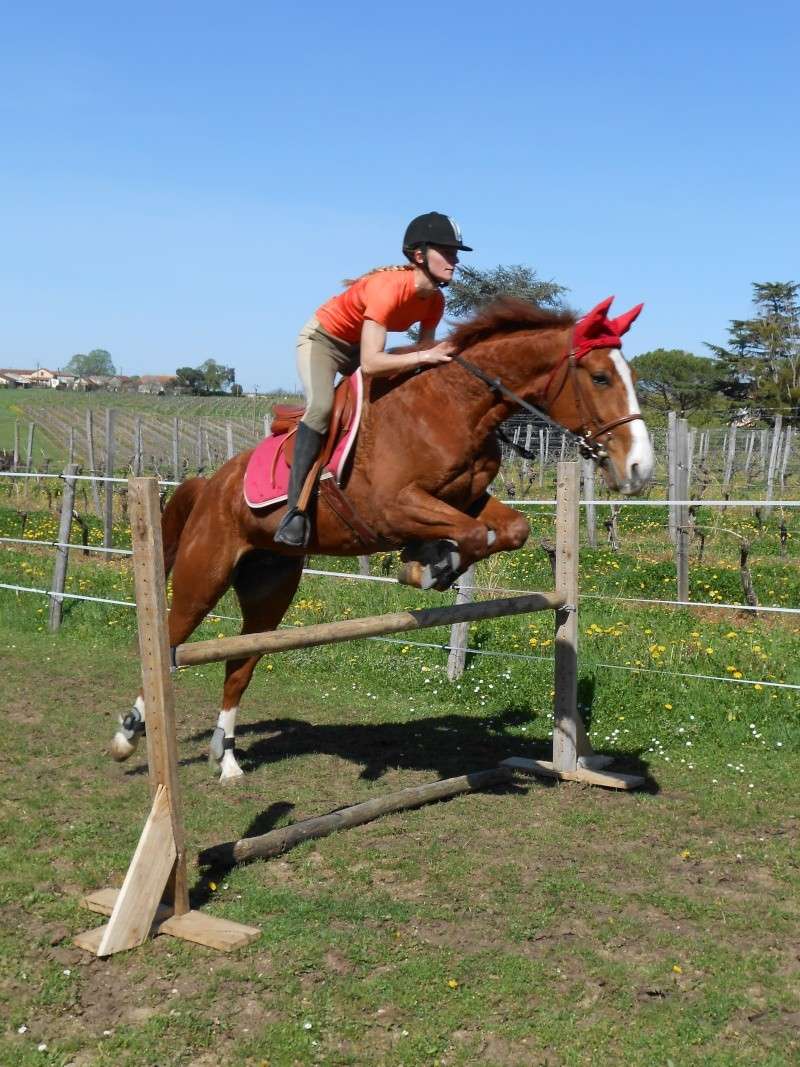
(433, 229)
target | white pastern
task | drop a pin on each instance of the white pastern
(124, 742)
(226, 722)
(640, 460)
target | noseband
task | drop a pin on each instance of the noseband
(591, 429)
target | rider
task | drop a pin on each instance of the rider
(351, 328)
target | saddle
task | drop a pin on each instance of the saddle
(267, 476)
(285, 421)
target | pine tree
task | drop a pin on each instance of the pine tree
(471, 288)
(761, 363)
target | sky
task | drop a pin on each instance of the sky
(184, 181)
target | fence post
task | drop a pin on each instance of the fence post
(267, 425)
(751, 438)
(682, 509)
(91, 461)
(62, 552)
(363, 565)
(569, 736)
(587, 466)
(29, 458)
(787, 451)
(459, 631)
(138, 447)
(773, 458)
(207, 445)
(672, 423)
(729, 457)
(15, 461)
(108, 519)
(176, 449)
(762, 451)
(229, 440)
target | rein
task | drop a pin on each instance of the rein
(587, 439)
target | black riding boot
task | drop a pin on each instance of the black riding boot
(295, 527)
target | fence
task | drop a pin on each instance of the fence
(457, 646)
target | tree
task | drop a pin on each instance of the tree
(98, 361)
(761, 363)
(471, 288)
(236, 389)
(217, 376)
(209, 377)
(191, 378)
(670, 379)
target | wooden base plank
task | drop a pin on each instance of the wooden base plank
(102, 901)
(210, 930)
(545, 769)
(90, 939)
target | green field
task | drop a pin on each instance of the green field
(529, 925)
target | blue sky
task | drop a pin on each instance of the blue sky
(182, 181)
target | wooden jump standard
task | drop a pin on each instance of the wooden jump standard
(154, 897)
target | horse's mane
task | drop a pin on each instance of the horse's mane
(507, 314)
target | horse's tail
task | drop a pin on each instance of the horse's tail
(178, 509)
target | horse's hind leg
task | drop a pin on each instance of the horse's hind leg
(265, 585)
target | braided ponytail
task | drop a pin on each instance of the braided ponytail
(347, 282)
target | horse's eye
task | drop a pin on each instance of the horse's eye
(600, 379)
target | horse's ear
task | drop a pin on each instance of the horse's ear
(623, 323)
(599, 312)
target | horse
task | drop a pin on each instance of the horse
(426, 453)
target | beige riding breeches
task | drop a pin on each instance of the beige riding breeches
(320, 357)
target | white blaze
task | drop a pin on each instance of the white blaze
(640, 454)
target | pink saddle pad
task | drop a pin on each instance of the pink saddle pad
(266, 480)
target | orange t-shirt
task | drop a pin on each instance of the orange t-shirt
(389, 297)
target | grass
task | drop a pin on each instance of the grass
(528, 925)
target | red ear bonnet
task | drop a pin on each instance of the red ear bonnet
(596, 330)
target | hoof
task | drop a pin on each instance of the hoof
(411, 574)
(131, 728)
(121, 748)
(234, 774)
(437, 567)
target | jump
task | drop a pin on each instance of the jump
(417, 480)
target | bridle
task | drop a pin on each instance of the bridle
(591, 428)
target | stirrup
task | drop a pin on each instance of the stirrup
(294, 529)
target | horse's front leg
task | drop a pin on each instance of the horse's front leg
(510, 527)
(442, 541)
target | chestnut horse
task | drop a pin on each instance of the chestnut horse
(426, 453)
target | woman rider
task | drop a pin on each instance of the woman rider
(351, 328)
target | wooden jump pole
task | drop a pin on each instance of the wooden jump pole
(279, 841)
(328, 633)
